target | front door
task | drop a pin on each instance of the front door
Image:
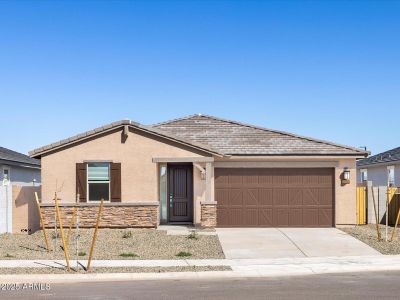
(180, 192)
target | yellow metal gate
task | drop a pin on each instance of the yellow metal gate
(394, 204)
(361, 205)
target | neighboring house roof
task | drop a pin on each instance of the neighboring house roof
(10, 156)
(221, 137)
(235, 138)
(392, 155)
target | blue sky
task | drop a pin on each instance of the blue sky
(325, 69)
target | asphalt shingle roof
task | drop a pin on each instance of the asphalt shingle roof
(13, 156)
(392, 155)
(235, 138)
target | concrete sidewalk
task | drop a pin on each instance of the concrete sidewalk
(241, 268)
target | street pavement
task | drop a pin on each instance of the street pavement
(371, 285)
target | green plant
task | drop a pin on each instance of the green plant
(9, 256)
(127, 235)
(55, 236)
(184, 254)
(193, 235)
(82, 253)
(128, 254)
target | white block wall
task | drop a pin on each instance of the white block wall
(5, 209)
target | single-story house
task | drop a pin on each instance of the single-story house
(19, 178)
(18, 169)
(382, 169)
(200, 170)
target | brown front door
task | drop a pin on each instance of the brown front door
(274, 197)
(180, 192)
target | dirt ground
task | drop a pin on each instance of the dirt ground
(368, 235)
(113, 244)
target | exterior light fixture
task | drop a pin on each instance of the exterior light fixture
(346, 176)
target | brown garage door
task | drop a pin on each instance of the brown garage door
(274, 197)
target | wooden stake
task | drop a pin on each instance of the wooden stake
(71, 223)
(65, 248)
(95, 234)
(395, 226)
(42, 222)
(376, 215)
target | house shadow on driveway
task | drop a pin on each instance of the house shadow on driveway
(264, 243)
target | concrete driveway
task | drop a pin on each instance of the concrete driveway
(250, 243)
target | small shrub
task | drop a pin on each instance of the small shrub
(55, 236)
(82, 253)
(9, 256)
(193, 235)
(127, 235)
(129, 254)
(184, 254)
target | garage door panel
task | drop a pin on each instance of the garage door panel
(265, 178)
(310, 216)
(295, 196)
(296, 217)
(280, 179)
(295, 180)
(281, 196)
(236, 216)
(251, 216)
(265, 218)
(250, 179)
(236, 197)
(266, 197)
(274, 197)
(325, 216)
(281, 217)
(223, 196)
(325, 196)
(222, 180)
(310, 196)
(236, 179)
(223, 216)
(250, 197)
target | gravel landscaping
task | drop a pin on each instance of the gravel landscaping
(113, 270)
(368, 235)
(114, 244)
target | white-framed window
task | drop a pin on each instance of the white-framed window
(6, 175)
(390, 173)
(98, 181)
(364, 175)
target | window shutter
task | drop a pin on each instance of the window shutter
(81, 182)
(115, 182)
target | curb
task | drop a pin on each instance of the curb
(258, 272)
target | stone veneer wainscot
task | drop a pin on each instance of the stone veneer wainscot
(115, 215)
(208, 214)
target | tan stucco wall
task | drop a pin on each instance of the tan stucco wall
(25, 212)
(139, 174)
(345, 196)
